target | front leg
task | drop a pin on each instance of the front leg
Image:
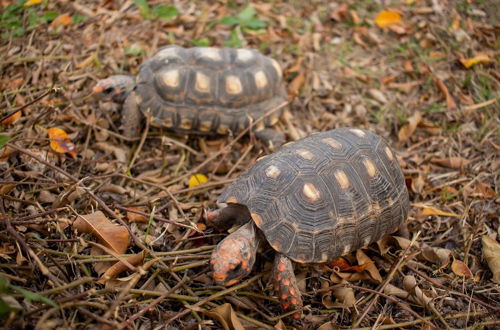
(131, 116)
(285, 285)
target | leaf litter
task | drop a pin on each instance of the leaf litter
(423, 74)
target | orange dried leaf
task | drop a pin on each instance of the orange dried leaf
(451, 162)
(119, 267)
(386, 18)
(12, 118)
(450, 103)
(470, 62)
(407, 130)
(112, 236)
(134, 217)
(63, 19)
(340, 13)
(434, 211)
(460, 268)
(60, 142)
(484, 190)
(297, 83)
(226, 316)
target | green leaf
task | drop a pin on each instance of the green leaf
(165, 12)
(3, 141)
(31, 296)
(205, 42)
(8, 305)
(255, 24)
(247, 14)
(49, 16)
(230, 20)
(143, 7)
(133, 50)
(4, 284)
(79, 18)
(235, 40)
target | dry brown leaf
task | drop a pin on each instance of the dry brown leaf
(436, 255)
(451, 162)
(12, 118)
(460, 268)
(226, 316)
(410, 285)
(378, 95)
(407, 130)
(491, 252)
(344, 297)
(370, 267)
(337, 277)
(296, 84)
(405, 243)
(134, 217)
(404, 87)
(63, 19)
(340, 13)
(433, 211)
(386, 18)
(119, 267)
(60, 141)
(450, 103)
(343, 265)
(484, 190)
(327, 326)
(110, 235)
(280, 325)
(393, 290)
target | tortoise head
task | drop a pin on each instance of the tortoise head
(115, 88)
(234, 257)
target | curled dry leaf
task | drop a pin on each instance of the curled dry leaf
(433, 211)
(370, 267)
(491, 252)
(344, 297)
(451, 162)
(296, 84)
(11, 119)
(483, 190)
(110, 235)
(343, 265)
(479, 59)
(60, 141)
(436, 255)
(340, 13)
(134, 217)
(393, 290)
(410, 285)
(226, 316)
(119, 267)
(407, 130)
(460, 268)
(62, 20)
(386, 18)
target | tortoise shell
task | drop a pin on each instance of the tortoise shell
(325, 195)
(209, 90)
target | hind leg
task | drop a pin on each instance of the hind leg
(131, 117)
(285, 285)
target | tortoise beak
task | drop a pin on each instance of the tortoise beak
(97, 89)
(219, 277)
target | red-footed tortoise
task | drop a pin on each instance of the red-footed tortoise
(313, 200)
(201, 90)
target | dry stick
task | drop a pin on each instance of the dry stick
(392, 299)
(13, 232)
(387, 280)
(157, 300)
(214, 296)
(453, 292)
(42, 321)
(26, 105)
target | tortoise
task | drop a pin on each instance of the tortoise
(313, 201)
(201, 90)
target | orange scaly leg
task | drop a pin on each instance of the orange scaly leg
(285, 285)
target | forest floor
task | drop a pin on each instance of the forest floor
(98, 231)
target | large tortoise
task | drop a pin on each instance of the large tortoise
(313, 201)
(201, 90)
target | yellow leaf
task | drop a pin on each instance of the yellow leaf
(434, 211)
(63, 19)
(469, 62)
(196, 180)
(386, 18)
(32, 2)
(60, 142)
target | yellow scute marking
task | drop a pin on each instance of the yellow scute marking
(332, 143)
(233, 85)
(202, 82)
(277, 67)
(305, 154)
(211, 53)
(358, 132)
(257, 219)
(205, 125)
(389, 154)
(244, 55)
(370, 167)
(260, 79)
(272, 172)
(171, 78)
(342, 179)
(232, 199)
(312, 194)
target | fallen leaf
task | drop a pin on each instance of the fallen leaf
(370, 267)
(32, 2)
(436, 255)
(62, 20)
(134, 217)
(343, 265)
(110, 235)
(340, 13)
(483, 190)
(404, 87)
(410, 285)
(12, 118)
(434, 211)
(60, 142)
(407, 130)
(450, 103)
(344, 297)
(119, 267)
(470, 62)
(460, 268)
(491, 252)
(226, 316)
(393, 290)
(378, 95)
(386, 18)
(196, 180)
(451, 162)
(296, 84)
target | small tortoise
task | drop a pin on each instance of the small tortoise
(201, 90)
(313, 200)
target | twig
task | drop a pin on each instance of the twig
(26, 105)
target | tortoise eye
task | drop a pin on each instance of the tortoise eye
(237, 268)
(108, 90)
